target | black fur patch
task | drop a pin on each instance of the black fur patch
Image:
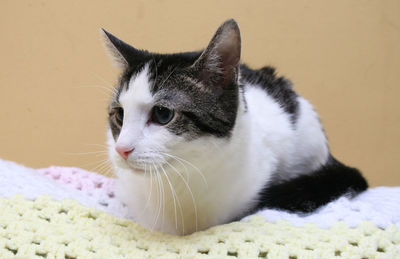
(308, 192)
(201, 87)
(278, 88)
(214, 125)
(199, 112)
(201, 115)
(163, 66)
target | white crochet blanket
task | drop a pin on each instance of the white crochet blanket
(380, 205)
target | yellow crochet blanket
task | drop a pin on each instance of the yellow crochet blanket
(45, 228)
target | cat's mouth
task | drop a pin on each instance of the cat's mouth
(138, 168)
(145, 163)
(147, 166)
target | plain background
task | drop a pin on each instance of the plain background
(343, 56)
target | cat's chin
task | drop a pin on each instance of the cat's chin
(142, 169)
(134, 168)
(138, 169)
(120, 164)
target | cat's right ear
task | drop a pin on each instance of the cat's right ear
(121, 53)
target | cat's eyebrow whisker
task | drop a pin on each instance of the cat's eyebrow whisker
(110, 90)
(190, 192)
(105, 90)
(102, 79)
(155, 65)
(169, 75)
(106, 82)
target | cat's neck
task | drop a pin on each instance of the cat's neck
(209, 177)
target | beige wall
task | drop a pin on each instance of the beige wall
(344, 56)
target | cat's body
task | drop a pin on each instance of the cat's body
(199, 140)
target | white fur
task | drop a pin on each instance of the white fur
(173, 197)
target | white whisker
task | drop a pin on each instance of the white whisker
(98, 145)
(179, 203)
(182, 164)
(151, 188)
(190, 191)
(109, 173)
(163, 198)
(159, 199)
(101, 164)
(104, 167)
(190, 164)
(87, 153)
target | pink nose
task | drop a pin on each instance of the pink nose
(124, 151)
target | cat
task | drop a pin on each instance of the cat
(198, 139)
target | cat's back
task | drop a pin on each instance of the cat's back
(283, 121)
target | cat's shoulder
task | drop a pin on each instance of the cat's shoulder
(278, 87)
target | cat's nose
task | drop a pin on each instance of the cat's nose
(124, 151)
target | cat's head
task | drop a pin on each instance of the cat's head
(165, 102)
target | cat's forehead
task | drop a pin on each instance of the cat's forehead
(161, 79)
(160, 66)
(138, 89)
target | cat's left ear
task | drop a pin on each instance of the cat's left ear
(218, 65)
(122, 53)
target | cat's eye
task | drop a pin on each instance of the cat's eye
(119, 116)
(162, 115)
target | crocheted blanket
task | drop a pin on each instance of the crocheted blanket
(71, 213)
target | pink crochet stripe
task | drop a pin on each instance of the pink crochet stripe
(79, 179)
